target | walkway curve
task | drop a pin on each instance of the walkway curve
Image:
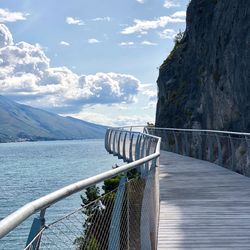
(202, 205)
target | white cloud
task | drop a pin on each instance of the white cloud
(181, 14)
(93, 40)
(148, 43)
(25, 73)
(126, 43)
(119, 120)
(74, 21)
(8, 16)
(141, 26)
(124, 120)
(102, 19)
(149, 91)
(64, 43)
(170, 4)
(5, 36)
(141, 1)
(167, 34)
(151, 105)
(151, 94)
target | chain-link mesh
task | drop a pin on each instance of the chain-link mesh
(99, 225)
(230, 150)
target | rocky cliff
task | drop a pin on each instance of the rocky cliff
(205, 81)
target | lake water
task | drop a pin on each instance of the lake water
(30, 170)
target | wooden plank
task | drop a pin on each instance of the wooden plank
(202, 205)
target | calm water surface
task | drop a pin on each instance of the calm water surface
(29, 170)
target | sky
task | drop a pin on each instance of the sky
(96, 60)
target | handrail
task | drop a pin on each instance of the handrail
(16, 218)
(186, 130)
(202, 130)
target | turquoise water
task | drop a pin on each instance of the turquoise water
(29, 170)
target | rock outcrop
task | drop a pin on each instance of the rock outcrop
(205, 81)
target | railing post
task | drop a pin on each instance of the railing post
(115, 234)
(113, 143)
(210, 149)
(124, 147)
(131, 148)
(248, 155)
(127, 147)
(148, 152)
(142, 154)
(176, 143)
(185, 144)
(110, 146)
(219, 150)
(232, 152)
(107, 140)
(137, 147)
(128, 217)
(37, 225)
(200, 146)
(146, 218)
(167, 141)
(119, 147)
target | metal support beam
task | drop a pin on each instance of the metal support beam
(220, 162)
(37, 225)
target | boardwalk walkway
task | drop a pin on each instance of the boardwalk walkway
(203, 206)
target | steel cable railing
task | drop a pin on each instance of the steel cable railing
(228, 149)
(119, 209)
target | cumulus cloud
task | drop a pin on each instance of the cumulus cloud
(93, 40)
(5, 36)
(141, 26)
(119, 120)
(181, 14)
(74, 21)
(64, 43)
(9, 16)
(150, 93)
(124, 120)
(148, 43)
(170, 4)
(102, 19)
(126, 43)
(167, 34)
(26, 74)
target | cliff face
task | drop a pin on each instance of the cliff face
(205, 81)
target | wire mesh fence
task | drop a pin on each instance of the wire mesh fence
(230, 150)
(125, 217)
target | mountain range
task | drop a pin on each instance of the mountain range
(20, 122)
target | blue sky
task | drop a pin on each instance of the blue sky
(95, 60)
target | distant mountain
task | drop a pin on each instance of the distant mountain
(21, 122)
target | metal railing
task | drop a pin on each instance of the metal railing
(119, 208)
(228, 149)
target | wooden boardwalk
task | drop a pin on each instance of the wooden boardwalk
(203, 206)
